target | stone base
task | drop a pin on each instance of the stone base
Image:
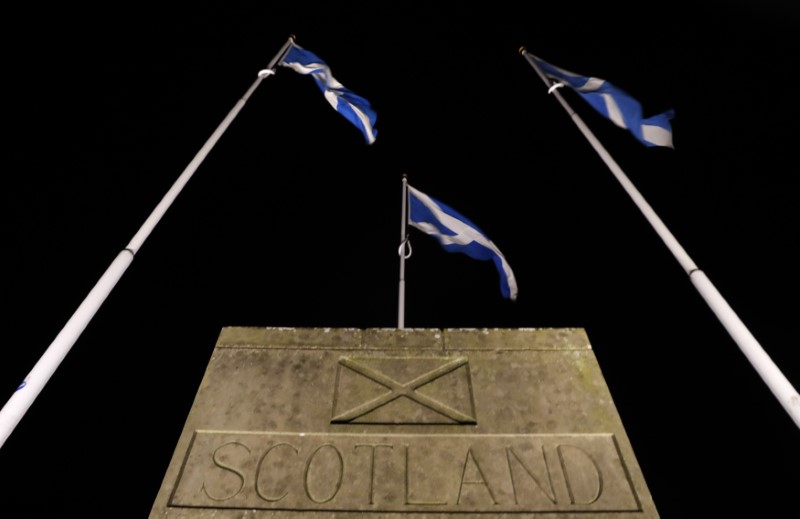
(412, 423)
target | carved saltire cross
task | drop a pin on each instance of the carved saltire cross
(408, 389)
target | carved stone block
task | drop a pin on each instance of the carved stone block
(413, 423)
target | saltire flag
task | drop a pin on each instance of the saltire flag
(615, 104)
(355, 108)
(457, 234)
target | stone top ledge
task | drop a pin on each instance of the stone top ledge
(424, 339)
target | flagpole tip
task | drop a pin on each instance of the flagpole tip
(522, 50)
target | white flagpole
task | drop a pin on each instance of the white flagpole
(405, 252)
(29, 389)
(763, 364)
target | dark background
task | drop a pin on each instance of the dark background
(292, 220)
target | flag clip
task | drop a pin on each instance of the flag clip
(555, 85)
(404, 250)
(266, 72)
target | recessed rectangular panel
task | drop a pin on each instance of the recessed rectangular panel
(405, 473)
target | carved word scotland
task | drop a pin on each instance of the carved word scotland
(405, 473)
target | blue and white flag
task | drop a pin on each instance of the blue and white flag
(457, 234)
(615, 104)
(355, 108)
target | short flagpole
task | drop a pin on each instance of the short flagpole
(29, 389)
(763, 364)
(404, 246)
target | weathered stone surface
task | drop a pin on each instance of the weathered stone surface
(414, 423)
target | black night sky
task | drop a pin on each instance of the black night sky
(293, 220)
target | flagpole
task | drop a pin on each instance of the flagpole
(32, 385)
(763, 364)
(404, 247)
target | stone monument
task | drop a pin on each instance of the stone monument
(403, 424)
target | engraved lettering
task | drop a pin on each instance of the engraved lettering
(385, 473)
(372, 447)
(550, 494)
(582, 473)
(258, 472)
(338, 484)
(408, 484)
(219, 463)
(481, 481)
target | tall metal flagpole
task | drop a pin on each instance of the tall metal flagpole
(763, 364)
(29, 389)
(405, 252)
